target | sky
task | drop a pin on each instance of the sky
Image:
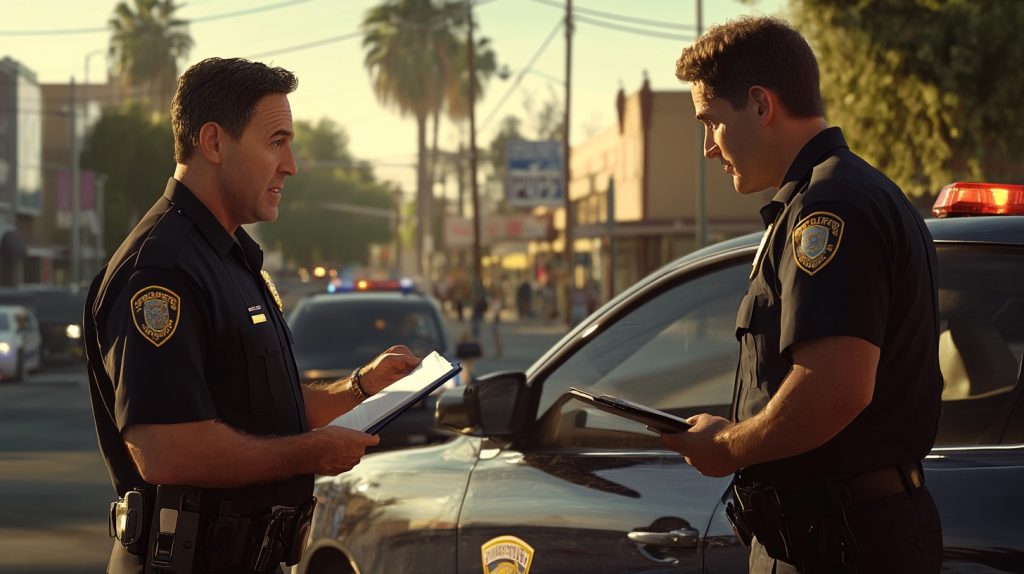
(319, 41)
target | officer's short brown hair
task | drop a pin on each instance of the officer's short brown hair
(728, 59)
(224, 91)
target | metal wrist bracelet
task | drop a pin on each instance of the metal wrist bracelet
(357, 386)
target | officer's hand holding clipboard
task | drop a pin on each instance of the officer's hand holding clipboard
(657, 421)
(383, 407)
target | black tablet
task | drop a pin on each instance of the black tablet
(658, 421)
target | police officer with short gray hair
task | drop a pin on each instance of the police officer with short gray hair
(210, 441)
(838, 386)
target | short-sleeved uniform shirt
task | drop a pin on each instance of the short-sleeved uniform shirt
(844, 254)
(183, 325)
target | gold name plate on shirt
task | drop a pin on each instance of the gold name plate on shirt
(257, 319)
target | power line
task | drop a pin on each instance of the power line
(313, 44)
(73, 31)
(631, 30)
(620, 17)
(247, 11)
(519, 77)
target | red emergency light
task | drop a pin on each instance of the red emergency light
(968, 198)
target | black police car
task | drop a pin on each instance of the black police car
(59, 313)
(562, 488)
(338, 331)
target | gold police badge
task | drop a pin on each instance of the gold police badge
(273, 289)
(816, 240)
(155, 311)
(506, 555)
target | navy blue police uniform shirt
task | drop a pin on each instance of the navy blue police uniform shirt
(844, 254)
(183, 325)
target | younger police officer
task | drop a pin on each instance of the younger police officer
(191, 371)
(838, 385)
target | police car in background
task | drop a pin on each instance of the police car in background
(20, 343)
(59, 313)
(347, 327)
(540, 483)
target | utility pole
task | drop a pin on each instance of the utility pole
(474, 187)
(700, 230)
(570, 276)
(76, 189)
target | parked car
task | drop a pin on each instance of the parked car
(59, 313)
(20, 343)
(570, 489)
(347, 328)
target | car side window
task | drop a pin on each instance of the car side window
(675, 351)
(981, 343)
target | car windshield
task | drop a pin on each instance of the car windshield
(344, 334)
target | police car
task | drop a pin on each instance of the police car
(20, 343)
(538, 482)
(353, 322)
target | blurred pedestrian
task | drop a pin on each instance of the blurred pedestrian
(480, 302)
(497, 302)
(524, 294)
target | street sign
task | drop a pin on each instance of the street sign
(534, 173)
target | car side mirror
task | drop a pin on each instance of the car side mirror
(492, 406)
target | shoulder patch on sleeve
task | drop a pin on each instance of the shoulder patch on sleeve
(155, 311)
(816, 240)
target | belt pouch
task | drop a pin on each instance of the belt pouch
(300, 533)
(762, 513)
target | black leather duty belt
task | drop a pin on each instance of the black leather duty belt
(258, 543)
(884, 482)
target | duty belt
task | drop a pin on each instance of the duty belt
(768, 511)
(260, 542)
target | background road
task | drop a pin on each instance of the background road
(54, 487)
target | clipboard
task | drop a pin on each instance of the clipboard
(378, 411)
(657, 421)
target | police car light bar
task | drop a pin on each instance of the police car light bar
(404, 285)
(968, 198)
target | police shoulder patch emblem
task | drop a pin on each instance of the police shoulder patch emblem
(816, 240)
(155, 311)
(506, 555)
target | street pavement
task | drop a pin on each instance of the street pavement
(54, 487)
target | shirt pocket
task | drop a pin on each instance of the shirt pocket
(268, 379)
(753, 330)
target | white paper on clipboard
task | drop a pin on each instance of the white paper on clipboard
(380, 409)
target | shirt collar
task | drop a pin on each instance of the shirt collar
(815, 150)
(182, 198)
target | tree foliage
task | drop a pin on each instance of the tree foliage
(135, 154)
(313, 226)
(147, 43)
(927, 90)
(416, 55)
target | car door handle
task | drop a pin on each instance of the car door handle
(678, 538)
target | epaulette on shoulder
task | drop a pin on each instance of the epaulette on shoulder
(161, 247)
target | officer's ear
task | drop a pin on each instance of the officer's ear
(211, 142)
(764, 103)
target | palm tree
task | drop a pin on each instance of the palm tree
(147, 43)
(456, 84)
(415, 54)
